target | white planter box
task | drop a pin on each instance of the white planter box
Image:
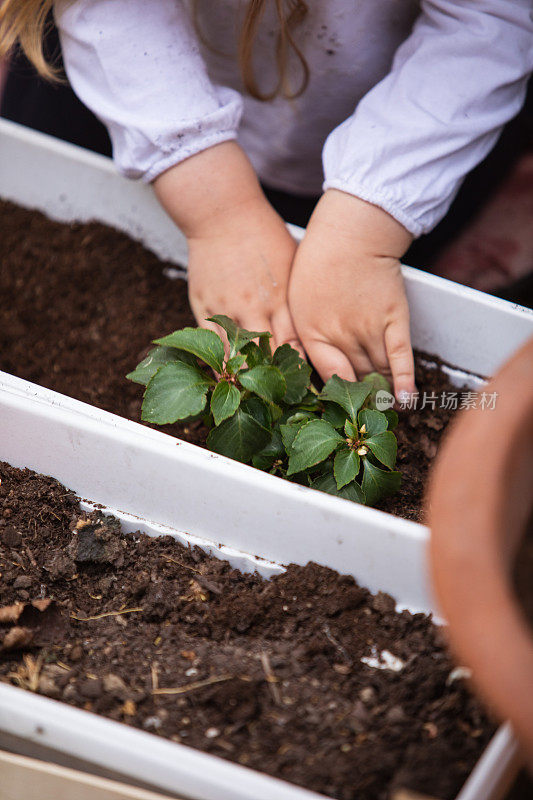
(154, 482)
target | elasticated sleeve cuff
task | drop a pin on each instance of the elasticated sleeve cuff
(454, 83)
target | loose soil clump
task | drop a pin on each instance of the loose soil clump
(81, 303)
(285, 676)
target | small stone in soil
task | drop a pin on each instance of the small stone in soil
(97, 542)
(90, 688)
(10, 537)
(113, 684)
(22, 582)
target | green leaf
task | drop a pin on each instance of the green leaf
(316, 440)
(346, 466)
(275, 412)
(288, 433)
(237, 337)
(310, 402)
(254, 355)
(350, 395)
(301, 478)
(157, 357)
(200, 342)
(381, 397)
(352, 491)
(378, 383)
(236, 363)
(264, 346)
(351, 430)
(384, 447)
(378, 482)
(238, 437)
(295, 370)
(265, 381)
(392, 418)
(374, 421)
(334, 414)
(176, 391)
(274, 451)
(257, 409)
(299, 416)
(224, 401)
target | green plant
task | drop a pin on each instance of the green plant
(261, 408)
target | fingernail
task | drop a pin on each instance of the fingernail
(404, 396)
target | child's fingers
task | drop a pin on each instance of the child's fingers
(253, 322)
(328, 360)
(361, 360)
(378, 356)
(400, 355)
(201, 315)
(283, 330)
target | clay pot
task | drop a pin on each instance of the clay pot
(479, 504)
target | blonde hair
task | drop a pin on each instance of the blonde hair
(290, 14)
(23, 21)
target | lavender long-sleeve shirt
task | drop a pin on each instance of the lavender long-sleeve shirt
(405, 97)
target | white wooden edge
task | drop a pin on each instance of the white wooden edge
(24, 778)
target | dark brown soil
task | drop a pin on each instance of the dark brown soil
(419, 433)
(268, 672)
(81, 304)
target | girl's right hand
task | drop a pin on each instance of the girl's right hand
(240, 252)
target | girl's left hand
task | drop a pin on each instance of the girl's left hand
(346, 292)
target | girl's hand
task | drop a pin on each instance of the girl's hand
(346, 292)
(240, 252)
(242, 269)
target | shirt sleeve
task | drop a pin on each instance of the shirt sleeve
(138, 67)
(454, 83)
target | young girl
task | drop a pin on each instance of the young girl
(384, 105)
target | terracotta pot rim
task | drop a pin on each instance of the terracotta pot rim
(479, 502)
